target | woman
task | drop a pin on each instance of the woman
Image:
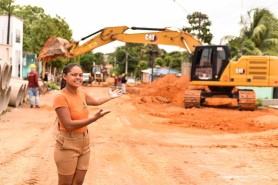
(72, 151)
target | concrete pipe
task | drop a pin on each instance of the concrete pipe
(10, 67)
(7, 97)
(2, 100)
(16, 94)
(24, 92)
(4, 74)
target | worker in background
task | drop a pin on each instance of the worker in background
(115, 79)
(123, 81)
(72, 147)
(33, 86)
(119, 82)
(46, 76)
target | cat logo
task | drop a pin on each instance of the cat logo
(240, 70)
(151, 37)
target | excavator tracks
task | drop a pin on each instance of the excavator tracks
(192, 98)
(247, 100)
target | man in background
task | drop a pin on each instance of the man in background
(33, 86)
(123, 81)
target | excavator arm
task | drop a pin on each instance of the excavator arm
(60, 48)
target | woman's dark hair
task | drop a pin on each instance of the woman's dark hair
(66, 70)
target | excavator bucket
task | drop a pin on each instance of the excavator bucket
(54, 48)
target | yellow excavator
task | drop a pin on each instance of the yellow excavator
(211, 65)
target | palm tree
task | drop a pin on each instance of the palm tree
(259, 34)
(262, 31)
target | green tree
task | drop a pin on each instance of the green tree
(130, 53)
(98, 58)
(140, 66)
(86, 61)
(259, 35)
(159, 62)
(200, 24)
(30, 16)
(175, 61)
(6, 6)
(262, 30)
(39, 27)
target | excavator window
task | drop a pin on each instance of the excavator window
(204, 64)
(220, 60)
(209, 62)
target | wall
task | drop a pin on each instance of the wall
(185, 68)
(28, 59)
(15, 41)
(5, 53)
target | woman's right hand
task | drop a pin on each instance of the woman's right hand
(101, 113)
(114, 94)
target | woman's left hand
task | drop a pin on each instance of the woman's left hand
(114, 94)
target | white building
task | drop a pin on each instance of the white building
(11, 46)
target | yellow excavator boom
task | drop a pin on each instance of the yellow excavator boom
(57, 47)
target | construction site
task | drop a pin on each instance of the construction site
(206, 115)
(147, 138)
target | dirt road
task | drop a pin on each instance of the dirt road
(146, 140)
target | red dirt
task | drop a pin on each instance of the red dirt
(148, 138)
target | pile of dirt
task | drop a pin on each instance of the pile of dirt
(173, 88)
(169, 87)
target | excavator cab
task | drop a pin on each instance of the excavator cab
(209, 62)
(212, 74)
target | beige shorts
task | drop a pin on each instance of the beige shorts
(72, 151)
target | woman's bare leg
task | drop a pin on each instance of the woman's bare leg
(65, 179)
(79, 177)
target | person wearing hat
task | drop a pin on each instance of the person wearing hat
(123, 81)
(33, 86)
(115, 79)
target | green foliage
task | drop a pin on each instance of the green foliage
(141, 66)
(259, 35)
(58, 64)
(98, 58)
(53, 86)
(86, 61)
(39, 27)
(259, 102)
(6, 6)
(248, 48)
(159, 62)
(130, 53)
(200, 24)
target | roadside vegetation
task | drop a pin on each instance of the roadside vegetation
(258, 36)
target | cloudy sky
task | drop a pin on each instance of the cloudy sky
(87, 16)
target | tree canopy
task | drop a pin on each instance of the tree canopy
(199, 26)
(37, 26)
(259, 34)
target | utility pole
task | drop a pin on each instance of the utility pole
(126, 62)
(9, 22)
(152, 53)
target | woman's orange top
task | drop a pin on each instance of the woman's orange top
(76, 104)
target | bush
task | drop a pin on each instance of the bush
(53, 85)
